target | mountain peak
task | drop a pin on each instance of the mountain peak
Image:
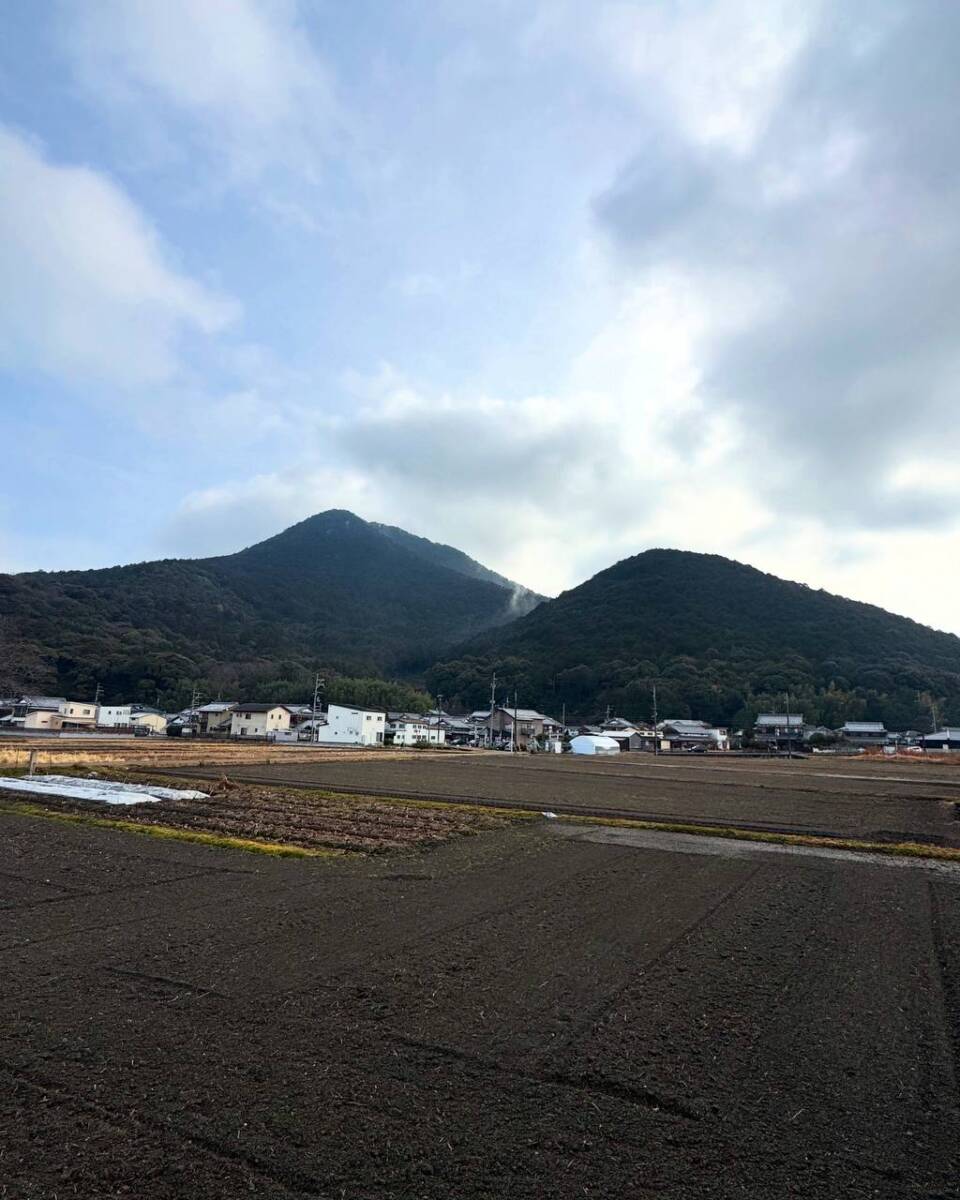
(332, 592)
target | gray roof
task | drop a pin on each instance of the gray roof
(949, 734)
(525, 714)
(863, 727)
(261, 708)
(218, 706)
(794, 719)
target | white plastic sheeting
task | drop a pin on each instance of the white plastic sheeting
(104, 790)
(594, 743)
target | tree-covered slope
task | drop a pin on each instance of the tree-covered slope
(524, 600)
(333, 592)
(720, 640)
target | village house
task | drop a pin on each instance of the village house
(779, 730)
(50, 714)
(215, 717)
(348, 726)
(150, 719)
(627, 734)
(259, 720)
(683, 734)
(37, 713)
(78, 714)
(521, 728)
(414, 729)
(458, 731)
(943, 739)
(863, 733)
(114, 716)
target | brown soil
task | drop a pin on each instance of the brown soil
(293, 818)
(520, 1015)
(842, 798)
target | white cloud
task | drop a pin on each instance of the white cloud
(240, 80)
(86, 285)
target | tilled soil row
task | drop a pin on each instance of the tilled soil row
(308, 821)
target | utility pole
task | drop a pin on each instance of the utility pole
(96, 694)
(317, 683)
(513, 729)
(789, 730)
(439, 712)
(656, 735)
(607, 718)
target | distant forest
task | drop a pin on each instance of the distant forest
(720, 642)
(392, 620)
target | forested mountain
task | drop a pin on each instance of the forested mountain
(720, 640)
(333, 593)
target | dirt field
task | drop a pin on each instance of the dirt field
(874, 801)
(537, 1012)
(288, 817)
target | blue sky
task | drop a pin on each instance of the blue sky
(553, 282)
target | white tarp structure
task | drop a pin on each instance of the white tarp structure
(594, 743)
(104, 790)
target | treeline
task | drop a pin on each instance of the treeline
(722, 692)
(720, 641)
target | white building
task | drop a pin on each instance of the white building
(348, 726)
(259, 720)
(154, 721)
(114, 716)
(411, 729)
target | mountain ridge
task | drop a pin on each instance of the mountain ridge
(332, 592)
(720, 639)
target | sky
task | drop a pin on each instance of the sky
(553, 282)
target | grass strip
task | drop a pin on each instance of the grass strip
(171, 832)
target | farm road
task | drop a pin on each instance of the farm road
(517, 1014)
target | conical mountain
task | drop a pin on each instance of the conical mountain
(333, 591)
